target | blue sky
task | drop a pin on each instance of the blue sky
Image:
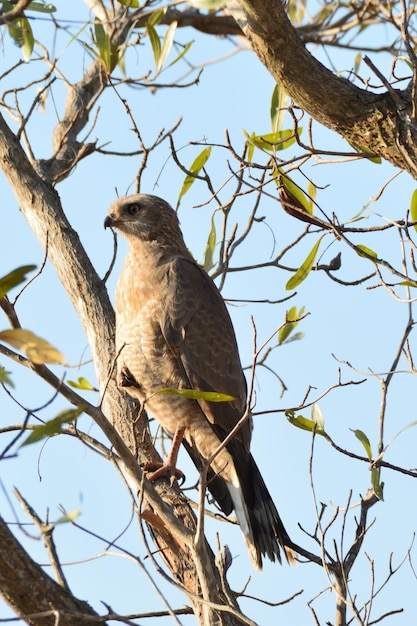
(356, 324)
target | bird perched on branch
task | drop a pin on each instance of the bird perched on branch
(173, 332)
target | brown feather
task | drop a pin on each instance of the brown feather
(173, 330)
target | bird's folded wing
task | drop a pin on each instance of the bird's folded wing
(198, 329)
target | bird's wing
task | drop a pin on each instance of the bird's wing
(198, 329)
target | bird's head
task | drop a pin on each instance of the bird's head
(146, 217)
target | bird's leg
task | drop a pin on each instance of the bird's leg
(167, 469)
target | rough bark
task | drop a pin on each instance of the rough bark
(31, 592)
(383, 124)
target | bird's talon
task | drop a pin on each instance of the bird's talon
(163, 470)
(126, 379)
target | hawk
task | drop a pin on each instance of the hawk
(173, 331)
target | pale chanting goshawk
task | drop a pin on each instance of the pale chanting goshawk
(173, 331)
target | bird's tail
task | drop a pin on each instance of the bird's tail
(245, 492)
(261, 525)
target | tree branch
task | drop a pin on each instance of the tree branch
(366, 120)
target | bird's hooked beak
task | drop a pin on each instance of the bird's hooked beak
(109, 221)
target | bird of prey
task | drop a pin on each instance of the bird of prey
(173, 331)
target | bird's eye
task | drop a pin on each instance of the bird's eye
(133, 209)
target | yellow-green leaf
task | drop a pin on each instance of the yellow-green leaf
(36, 349)
(359, 434)
(54, 426)
(133, 4)
(413, 208)
(41, 8)
(166, 46)
(107, 52)
(5, 378)
(210, 247)
(14, 278)
(376, 483)
(182, 53)
(365, 251)
(155, 43)
(290, 324)
(271, 142)
(305, 424)
(82, 383)
(311, 192)
(295, 337)
(279, 140)
(361, 148)
(21, 31)
(251, 145)
(193, 394)
(304, 270)
(294, 189)
(71, 516)
(198, 163)
(155, 17)
(278, 103)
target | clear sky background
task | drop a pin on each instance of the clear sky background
(355, 324)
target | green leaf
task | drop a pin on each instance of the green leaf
(295, 337)
(294, 189)
(278, 103)
(155, 43)
(155, 17)
(21, 32)
(68, 517)
(305, 424)
(359, 434)
(271, 142)
(166, 46)
(198, 163)
(82, 383)
(365, 149)
(413, 208)
(210, 247)
(107, 52)
(365, 251)
(304, 270)
(311, 192)
(5, 378)
(359, 216)
(153, 20)
(40, 7)
(133, 4)
(36, 349)
(182, 53)
(290, 324)
(14, 278)
(376, 483)
(53, 427)
(193, 394)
